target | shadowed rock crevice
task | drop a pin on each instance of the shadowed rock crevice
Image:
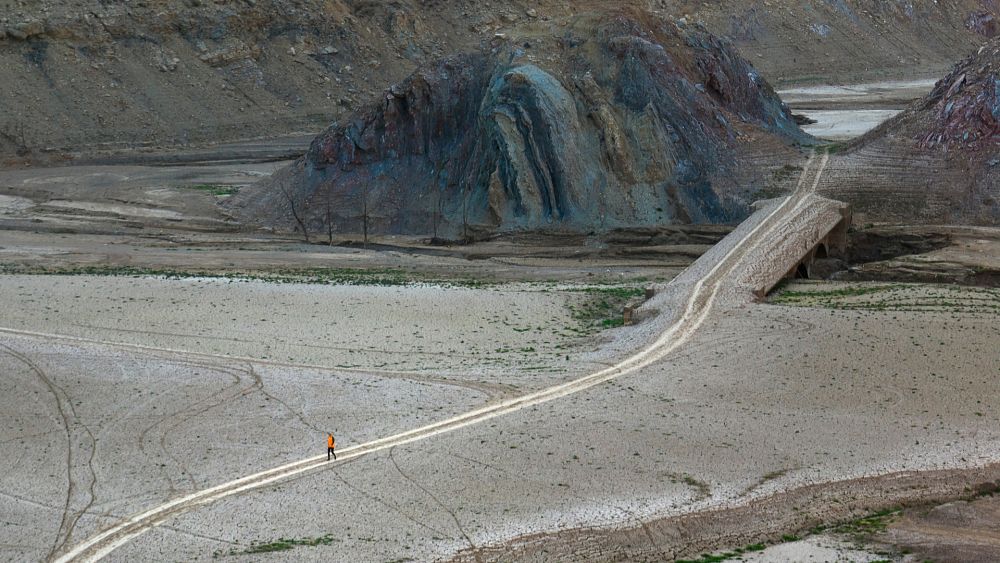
(638, 121)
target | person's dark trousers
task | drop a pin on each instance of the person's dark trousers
(330, 452)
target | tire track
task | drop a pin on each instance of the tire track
(175, 419)
(491, 390)
(64, 418)
(259, 382)
(438, 501)
(699, 305)
(68, 416)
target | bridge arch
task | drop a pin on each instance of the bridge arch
(821, 252)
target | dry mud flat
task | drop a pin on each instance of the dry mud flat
(844, 112)
(762, 400)
(890, 94)
(464, 333)
(93, 432)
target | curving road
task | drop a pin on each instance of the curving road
(699, 305)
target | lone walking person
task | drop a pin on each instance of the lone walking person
(330, 445)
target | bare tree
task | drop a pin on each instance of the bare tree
(364, 201)
(465, 216)
(329, 214)
(330, 185)
(14, 133)
(366, 206)
(286, 191)
(436, 217)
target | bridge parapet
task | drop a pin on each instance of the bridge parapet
(817, 229)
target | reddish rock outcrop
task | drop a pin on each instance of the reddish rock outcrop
(938, 161)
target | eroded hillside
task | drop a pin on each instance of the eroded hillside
(937, 162)
(87, 75)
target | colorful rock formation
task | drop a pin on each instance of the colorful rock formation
(638, 121)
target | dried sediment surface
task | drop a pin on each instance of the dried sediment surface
(739, 415)
(885, 95)
(951, 254)
(633, 452)
(963, 530)
(462, 333)
(776, 518)
(94, 433)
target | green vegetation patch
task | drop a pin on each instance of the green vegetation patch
(891, 297)
(280, 544)
(725, 555)
(811, 297)
(860, 530)
(603, 307)
(863, 528)
(218, 190)
(835, 148)
(324, 276)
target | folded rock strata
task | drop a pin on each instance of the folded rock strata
(638, 121)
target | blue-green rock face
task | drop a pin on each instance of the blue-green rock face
(636, 122)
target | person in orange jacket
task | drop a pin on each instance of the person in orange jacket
(330, 445)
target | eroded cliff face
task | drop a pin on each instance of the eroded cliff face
(938, 161)
(636, 121)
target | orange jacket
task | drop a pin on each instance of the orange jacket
(329, 441)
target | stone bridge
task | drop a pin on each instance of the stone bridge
(788, 246)
(815, 230)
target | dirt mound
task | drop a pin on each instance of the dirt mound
(937, 161)
(638, 121)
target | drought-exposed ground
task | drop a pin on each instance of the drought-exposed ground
(152, 347)
(457, 332)
(742, 412)
(935, 163)
(845, 112)
(739, 414)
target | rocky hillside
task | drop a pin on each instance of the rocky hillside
(848, 41)
(937, 162)
(88, 75)
(622, 120)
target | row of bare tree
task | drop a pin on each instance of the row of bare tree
(370, 204)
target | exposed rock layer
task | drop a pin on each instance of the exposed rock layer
(638, 121)
(91, 75)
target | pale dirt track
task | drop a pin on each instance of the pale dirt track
(697, 307)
